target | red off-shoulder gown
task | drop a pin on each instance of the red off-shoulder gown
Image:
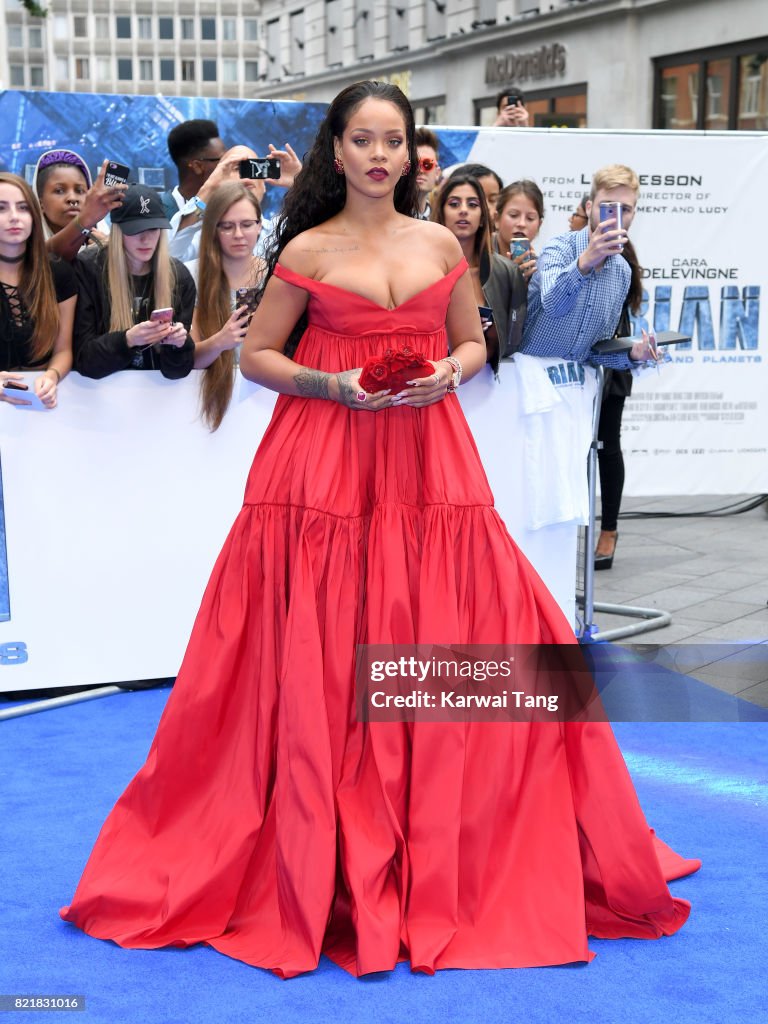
(267, 821)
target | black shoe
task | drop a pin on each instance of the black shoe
(606, 561)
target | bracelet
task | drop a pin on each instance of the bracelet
(457, 371)
(83, 230)
(52, 369)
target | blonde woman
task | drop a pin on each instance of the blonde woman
(226, 267)
(37, 299)
(135, 301)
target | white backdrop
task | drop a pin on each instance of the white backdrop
(701, 425)
(116, 505)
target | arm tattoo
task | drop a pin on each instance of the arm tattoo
(312, 383)
(346, 391)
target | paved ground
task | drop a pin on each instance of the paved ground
(711, 574)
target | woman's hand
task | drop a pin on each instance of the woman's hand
(290, 165)
(46, 387)
(234, 330)
(345, 389)
(645, 351)
(100, 199)
(176, 336)
(11, 395)
(426, 390)
(148, 332)
(527, 263)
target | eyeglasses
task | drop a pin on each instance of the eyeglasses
(426, 163)
(227, 227)
(580, 214)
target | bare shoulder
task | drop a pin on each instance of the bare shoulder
(442, 241)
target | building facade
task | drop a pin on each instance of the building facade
(683, 64)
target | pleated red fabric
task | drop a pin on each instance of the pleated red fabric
(267, 821)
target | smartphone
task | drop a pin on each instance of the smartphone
(486, 313)
(116, 174)
(260, 167)
(247, 297)
(161, 316)
(514, 99)
(611, 211)
(18, 390)
(518, 247)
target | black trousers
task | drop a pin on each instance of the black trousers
(610, 460)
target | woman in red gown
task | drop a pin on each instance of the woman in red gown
(270, 823)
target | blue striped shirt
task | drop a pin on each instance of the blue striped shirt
(567, 311)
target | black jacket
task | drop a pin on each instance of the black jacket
(506, 293)
(99, 351)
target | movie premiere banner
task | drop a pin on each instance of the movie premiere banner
(114, 506)
(699, 425)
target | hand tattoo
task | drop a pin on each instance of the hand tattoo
(312, 383)
(347, 390)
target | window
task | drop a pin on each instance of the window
(15, 37)
(209, 71)
(146, 71)
(62, 68)
(753, 92)
(82, 68)
(436, 20)
(719, 89)
(334, 38)
(123, 26)
(187, 71)
(250, 29)
(17, 74)
(364, 28)
(398, 25)
(36, 76)
(145, 28)
(273, 48)
(251, 71)
(486, 12)
(60, 26)
(297, 42)
(229, 69)
(207, 28)
(101, 24)
(165, 28)
(167, 70)
(548, 108)
(429, 111)
(125, 69)
(35, 38)
(103, 69)
(81, 26)
(228, 29)
(187, 28)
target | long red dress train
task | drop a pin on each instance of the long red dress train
(271, 824)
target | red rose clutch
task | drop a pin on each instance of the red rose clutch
(392, 370)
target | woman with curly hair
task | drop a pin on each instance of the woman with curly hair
(276, 818)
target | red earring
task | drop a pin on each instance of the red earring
(406, 169)
(338, 166)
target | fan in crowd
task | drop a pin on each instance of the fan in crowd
(498, 283)
(135, 301)
(228, 276)
(519, 214)
(428, 177)
(38, 294)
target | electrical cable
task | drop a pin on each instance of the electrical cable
(745, 505)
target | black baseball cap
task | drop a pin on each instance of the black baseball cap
(142, 210)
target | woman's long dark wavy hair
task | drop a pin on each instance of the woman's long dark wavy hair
(319, 193)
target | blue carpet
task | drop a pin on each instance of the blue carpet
(703, 785)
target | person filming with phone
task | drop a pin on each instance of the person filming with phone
(135, 302)
(510, 110)
(575, 301)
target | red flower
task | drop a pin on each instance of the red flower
(393, 370)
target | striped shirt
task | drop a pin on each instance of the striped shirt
(569, 312)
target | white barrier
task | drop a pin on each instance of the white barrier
(116, 505)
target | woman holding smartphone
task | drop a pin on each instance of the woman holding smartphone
(227, 276)
(38, 294)
(135, 301)
(497, 284)
(519, 216)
